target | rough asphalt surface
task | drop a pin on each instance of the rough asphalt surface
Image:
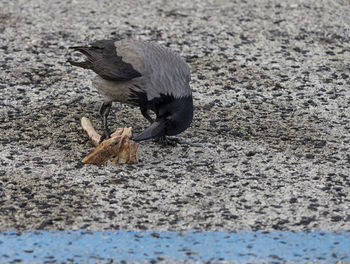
(268, 148)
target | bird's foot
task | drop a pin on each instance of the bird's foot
(165, 141)
(106, 135)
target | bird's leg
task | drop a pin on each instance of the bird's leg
(104, 112)
(145, 113)
(165, 141)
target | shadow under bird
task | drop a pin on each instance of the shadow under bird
(143, 74)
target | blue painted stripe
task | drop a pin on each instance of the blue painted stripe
(91, 247)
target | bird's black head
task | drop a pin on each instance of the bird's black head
(174, 115)
(177, 114)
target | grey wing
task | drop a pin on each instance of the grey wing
(103, 59)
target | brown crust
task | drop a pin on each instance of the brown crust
(133, 152)
(123, 154)
(103, 152)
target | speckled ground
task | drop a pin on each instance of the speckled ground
(269, 146)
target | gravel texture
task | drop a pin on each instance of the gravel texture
(268, 148)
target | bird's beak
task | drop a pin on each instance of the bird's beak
(156, 129)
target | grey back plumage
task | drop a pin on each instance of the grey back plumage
(163, 71)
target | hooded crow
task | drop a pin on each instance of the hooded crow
(143, 74)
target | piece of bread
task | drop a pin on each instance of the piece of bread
(118, 146)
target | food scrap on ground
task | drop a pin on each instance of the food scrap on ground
(118, 147)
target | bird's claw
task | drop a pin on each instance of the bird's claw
(106, 135)
(165, 141)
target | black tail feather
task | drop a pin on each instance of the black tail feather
(91, 53)
(82, 64)
(102, 58)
